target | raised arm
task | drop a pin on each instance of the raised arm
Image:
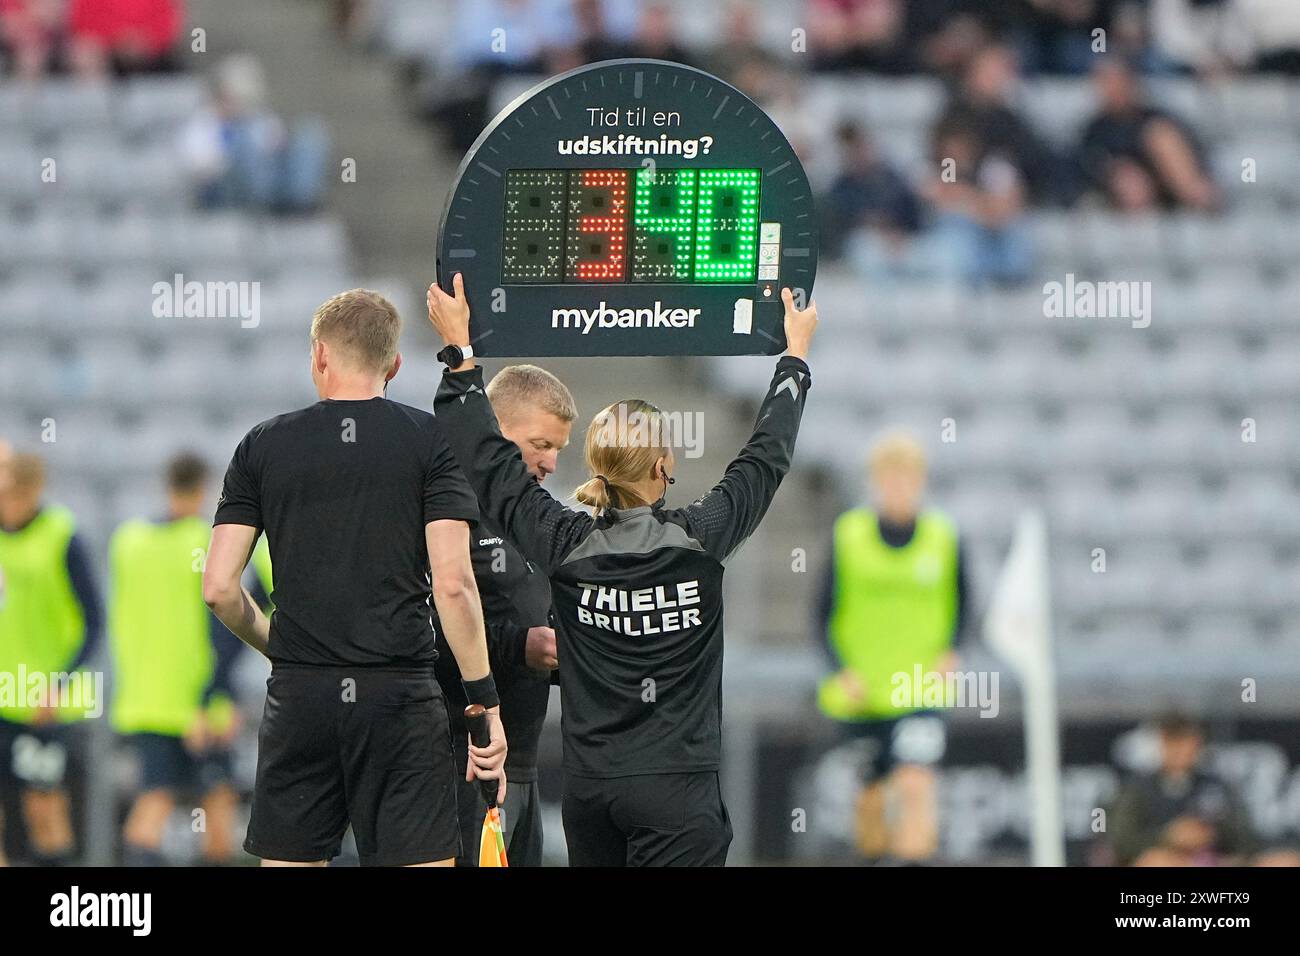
(732, 510)
(543, 529)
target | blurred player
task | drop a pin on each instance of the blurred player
(894, 597)
(51, 623)
(172, 662)
(536, 412)
(361, 499)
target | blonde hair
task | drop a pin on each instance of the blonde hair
(896, 449)
(520, 385)
(624, 441)
(363, 324)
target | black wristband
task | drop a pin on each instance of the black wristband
(482, 691)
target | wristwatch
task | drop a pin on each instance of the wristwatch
(454, 356)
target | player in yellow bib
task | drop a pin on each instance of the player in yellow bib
(891, 608)
(50, 628)
(172, 662)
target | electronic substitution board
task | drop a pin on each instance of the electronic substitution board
(631, 207)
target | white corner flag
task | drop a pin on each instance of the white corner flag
(1018, 628)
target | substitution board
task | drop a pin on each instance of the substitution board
(630, 207)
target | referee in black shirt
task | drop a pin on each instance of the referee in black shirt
(536, 412)
(637, 592)
(360, 498)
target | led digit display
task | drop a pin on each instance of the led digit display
(532, 242)
(726, 221)
(664, 226)
(681, 225)
(597, 226)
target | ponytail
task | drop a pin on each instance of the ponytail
(598, 493)
(623, 442)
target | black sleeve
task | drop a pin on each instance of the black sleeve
(824, 607)
(1093, 154)
(961, 631)
(92, 609)
(241, 501)
(1233, 831)
(541, 528)
(225, 649)
(505, 642)
(1132, 830)
(257, 591)
(728, 514)
(447, 495)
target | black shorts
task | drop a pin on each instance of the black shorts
(32, 757)
(660, 819)
(165, 764)
(365, 746)
(918, 738)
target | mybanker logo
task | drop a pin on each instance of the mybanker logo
(604, 317)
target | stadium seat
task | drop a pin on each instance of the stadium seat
(151, 104)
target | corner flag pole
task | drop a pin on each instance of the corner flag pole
(1018, 628)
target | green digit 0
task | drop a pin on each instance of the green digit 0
(727, 225)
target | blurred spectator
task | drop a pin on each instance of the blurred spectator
(1055, 36)
(597, 39)
(350, 17)
(240, 154)
(490, 39)
(656, 35)
(1138, 156)
(858, 35)
(1274, 29)
(1208, 37)
(1130, 37)
(1214, 37)
(948, 51)
(508, 36)
(1181, 815)
(739, 46)
(978, 196)
(867, 194)
(124, 36)
(984, 103)
(34, 36)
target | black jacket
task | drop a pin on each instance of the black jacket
(637, 592)
(515, 597)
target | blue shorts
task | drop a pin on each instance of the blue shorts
(165, 764)
(918, 738)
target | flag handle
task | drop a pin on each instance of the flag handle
(480, 734)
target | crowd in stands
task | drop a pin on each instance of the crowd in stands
(1056, 36)
(961, 214)
(236, 152)
(964, 218)
(90, 38)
